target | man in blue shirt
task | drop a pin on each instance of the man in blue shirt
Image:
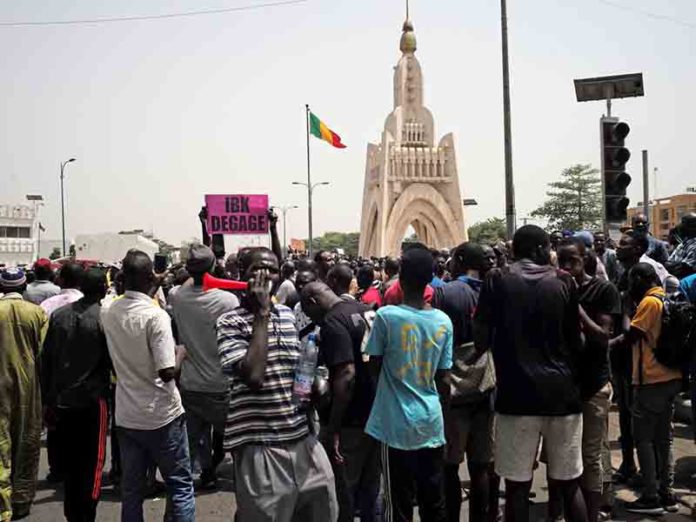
(411, 346)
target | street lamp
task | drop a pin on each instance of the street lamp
(310, 189)
(284, 209)
(62, 197)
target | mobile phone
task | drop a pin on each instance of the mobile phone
(160, 263)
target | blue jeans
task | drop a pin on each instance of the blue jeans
(168, 448)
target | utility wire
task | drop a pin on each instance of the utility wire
(154, 16)
(649, 14)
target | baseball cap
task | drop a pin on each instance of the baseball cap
(200, 259)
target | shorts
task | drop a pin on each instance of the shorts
(517, 442)
(469, 431)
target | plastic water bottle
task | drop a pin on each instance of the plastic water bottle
(304, 373)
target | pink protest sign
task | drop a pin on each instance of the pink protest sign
(237, 213)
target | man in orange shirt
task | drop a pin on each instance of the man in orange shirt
(655, 388)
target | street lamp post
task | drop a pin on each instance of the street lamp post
(284, 209)
(310, 190)
(62, 197)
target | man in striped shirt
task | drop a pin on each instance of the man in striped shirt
(282, 472)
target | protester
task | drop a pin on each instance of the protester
(410, 348)
(22, 330)
(325, 261)
(657, 249)
(286, 291)
(528, 315)
(469, 420)
(69, 279)
(391, 272)
(587, 240)
(632, 249)
(395, 296)
(600, 309)
(367, 291)
(42, 287)
(149, 414)
(339, 279)
(281, 471)
(608, 257)
(303, 323)
(656, 386)
(687, 286)
(75, 384)
(204, 389)
(353, 454)
(682, 262)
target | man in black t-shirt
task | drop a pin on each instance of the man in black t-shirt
(600, 308)
(528, 316)
(354, 455)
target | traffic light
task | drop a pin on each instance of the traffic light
(616, 179)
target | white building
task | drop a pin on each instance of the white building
(17, 238)
(111, 247)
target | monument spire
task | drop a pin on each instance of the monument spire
(408, 37)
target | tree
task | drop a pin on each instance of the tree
(574, 202)
(348, 241)
(488, 232)
(55, 254)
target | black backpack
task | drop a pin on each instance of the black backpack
(677, 340)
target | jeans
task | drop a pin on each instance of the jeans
(652, 430)
(168, 448)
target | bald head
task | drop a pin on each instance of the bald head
(317, 299)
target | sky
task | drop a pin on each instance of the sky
(160, 112)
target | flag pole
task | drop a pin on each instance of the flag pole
(309, 185)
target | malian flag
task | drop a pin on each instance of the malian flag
(319, 129)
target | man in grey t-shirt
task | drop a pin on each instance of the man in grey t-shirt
(204, 389)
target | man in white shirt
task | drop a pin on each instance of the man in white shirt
(149, 415)
(42, 288)
(69, 279)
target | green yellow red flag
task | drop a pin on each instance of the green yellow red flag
(319, 129)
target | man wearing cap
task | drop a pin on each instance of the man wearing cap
(42, 288)
(22, 330)
(586, 237)
(203, 387)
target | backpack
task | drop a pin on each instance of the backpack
(677, 340)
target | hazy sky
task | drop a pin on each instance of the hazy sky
(158, 113)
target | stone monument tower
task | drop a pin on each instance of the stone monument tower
(408, 179)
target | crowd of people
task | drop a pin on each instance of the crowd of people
(502, 356)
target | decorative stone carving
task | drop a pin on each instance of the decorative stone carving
(409, 180)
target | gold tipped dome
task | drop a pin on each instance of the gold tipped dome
(408, 38)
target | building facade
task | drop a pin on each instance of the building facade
(410, 178)
(17, 235)
(666, 213)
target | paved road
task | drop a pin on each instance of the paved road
(219, 506)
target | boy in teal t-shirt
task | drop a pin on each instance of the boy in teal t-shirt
(413, 345)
